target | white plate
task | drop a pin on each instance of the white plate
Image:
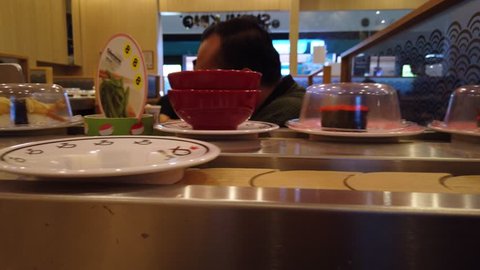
(105, 156)
(75, 120)
(442, 127)
(248, 127)
(409, 129)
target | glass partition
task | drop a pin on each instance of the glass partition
(426, 62)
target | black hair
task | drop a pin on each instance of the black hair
(245, 43)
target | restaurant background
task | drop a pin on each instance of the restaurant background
(430, 60)
(66, 36)
(222, 216)
(39, 29)
(336, 30)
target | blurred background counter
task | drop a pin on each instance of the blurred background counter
(82, 105)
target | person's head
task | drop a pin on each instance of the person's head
(240, 43)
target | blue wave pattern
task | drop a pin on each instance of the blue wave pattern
(459, 46)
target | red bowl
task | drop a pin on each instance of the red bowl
(215, 79)
(214, 109)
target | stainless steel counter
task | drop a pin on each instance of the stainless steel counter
(76, 225)
(416, 156)
(287, 150)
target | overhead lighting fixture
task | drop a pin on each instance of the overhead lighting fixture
(170, 13)
(378, 12)
(383, 21)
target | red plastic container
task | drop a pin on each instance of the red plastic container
(215, 79)
(214, 109)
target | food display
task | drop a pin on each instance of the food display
(33, 105)
(344, 117)
(351, 106)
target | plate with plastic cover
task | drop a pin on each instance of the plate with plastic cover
(73, 121)
(460, 129)
(406, 129)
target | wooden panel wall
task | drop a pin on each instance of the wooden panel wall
(58, 24)
(99, 20)
(222, 5)
(36, 29)
(293, 6)
(312, 5)
(256, 5)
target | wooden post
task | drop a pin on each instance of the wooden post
(293, 35)
(327, 74)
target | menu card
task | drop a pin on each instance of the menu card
(121, 80)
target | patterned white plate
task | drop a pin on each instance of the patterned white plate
(248, 127)
(105, 156)
(408, 129)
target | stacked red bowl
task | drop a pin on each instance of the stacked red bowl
(214, 99)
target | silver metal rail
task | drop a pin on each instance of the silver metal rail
(88, 225)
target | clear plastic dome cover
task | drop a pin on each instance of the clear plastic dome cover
(33, 104)
(463, 110)
(351, 106)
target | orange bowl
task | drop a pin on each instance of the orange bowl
(214, 109)
(215, 79)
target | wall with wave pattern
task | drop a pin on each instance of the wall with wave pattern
(453, 37)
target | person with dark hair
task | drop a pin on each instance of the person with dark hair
(368, 80)
(242, 43)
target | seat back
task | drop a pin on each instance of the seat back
(11, 73)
